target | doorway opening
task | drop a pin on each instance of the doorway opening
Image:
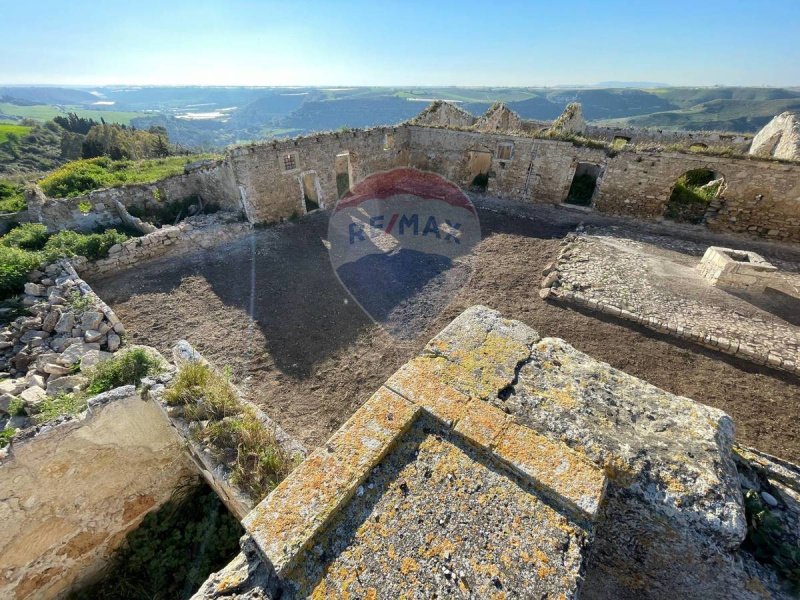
(584, 184)
(342, 165)
(311, 191)
(479, 165)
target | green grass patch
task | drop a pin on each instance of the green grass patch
(91, 245)
(172, 552)
(17, 130)
(128, 367)
(81, 176)
(12, 198)
(62, 404)
(261, 463)
(45, 112)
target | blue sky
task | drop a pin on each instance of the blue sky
(379, 42)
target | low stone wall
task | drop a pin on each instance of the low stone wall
(72, 492)
(203, 231)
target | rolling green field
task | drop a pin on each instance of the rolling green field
(45, 112)
(6, 128)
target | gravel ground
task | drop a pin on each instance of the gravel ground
(310, 356)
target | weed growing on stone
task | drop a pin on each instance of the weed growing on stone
(128, 367)
(261, 464)
(78, 302)
(62, 404)
(208, 396)
(16, 408)
(768, 542)
(6, 435)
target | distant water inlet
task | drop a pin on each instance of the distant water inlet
(398, 243)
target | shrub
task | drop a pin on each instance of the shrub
(91, 245)
(12, 198)
(16, 408)
(172, 552)
(128, 367)
(28, 236)
(15, 264)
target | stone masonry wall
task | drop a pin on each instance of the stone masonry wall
(272, 192)
(761, 198)
(202, 231)
(72, 492)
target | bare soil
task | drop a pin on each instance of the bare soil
(310, 357)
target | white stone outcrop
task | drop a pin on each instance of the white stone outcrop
(780, 138)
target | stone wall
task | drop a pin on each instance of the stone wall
(203, 231)
(72, 492)
(761, 198)
(270, 175)
(643, 135)
(213, 183)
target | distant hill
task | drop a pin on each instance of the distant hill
(212, 117)
(45, 95)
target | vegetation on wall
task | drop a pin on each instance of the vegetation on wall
(82, 176)
(222, 422)
(128, 367)
(768, 541)
(172, 552)
(691, 196)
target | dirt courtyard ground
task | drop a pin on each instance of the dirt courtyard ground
(310, 356)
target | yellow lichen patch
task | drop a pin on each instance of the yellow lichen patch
(566, 474)
(419, 382)
(231, 582)
(408, 566)
(286, 520)
(483, 424)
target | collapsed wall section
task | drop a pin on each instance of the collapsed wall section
(213, 182)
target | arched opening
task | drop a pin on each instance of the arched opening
(692, 194)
